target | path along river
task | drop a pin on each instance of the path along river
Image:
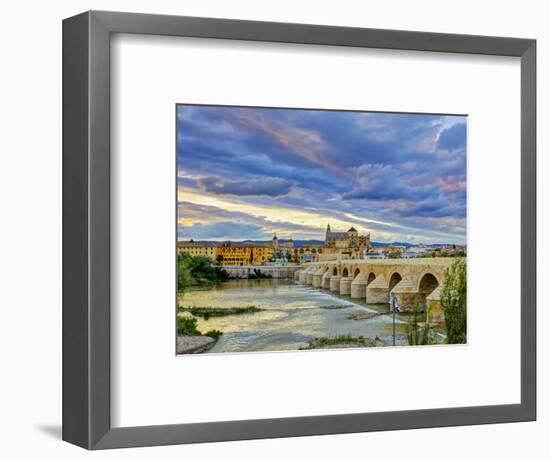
(293, 315)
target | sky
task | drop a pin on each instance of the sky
(246, 173)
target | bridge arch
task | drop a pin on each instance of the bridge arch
(371, 278)
(394, 280)
(345, 272)
(335, 271)
(356, 272)
(427, 283)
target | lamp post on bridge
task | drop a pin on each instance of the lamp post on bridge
(395, 309)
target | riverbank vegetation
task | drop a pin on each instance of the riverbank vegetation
(341, 341)
(198, 270)
(187, 326)
(190, 340)
(419, 330)
(453, 302)
(207, 312)
(258, 274)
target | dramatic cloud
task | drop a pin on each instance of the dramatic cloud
(453, 138)
(399, 176)
(226, 230)
(383, 182)
(272, 187)
(438, 207)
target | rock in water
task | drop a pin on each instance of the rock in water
(363, 315)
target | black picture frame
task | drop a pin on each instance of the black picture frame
(86, 229)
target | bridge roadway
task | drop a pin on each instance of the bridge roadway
(372, 280)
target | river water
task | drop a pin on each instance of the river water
(294, 314)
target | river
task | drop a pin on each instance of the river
(294, 314)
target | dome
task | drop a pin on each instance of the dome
(352, 229)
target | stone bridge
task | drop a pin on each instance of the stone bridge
(373, 280)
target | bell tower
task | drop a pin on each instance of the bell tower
(326, 234)
(275, 241)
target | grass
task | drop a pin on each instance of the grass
(215, 334)
(187, 326)
(341, 340)
(207, 312)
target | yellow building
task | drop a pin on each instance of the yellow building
(198, 249)
(261, 254)
(232, 254)
(242, 254)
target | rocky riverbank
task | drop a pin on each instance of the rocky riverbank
(194, 344)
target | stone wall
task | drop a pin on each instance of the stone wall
(276, 272)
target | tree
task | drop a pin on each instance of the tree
(195, 270)
(453, 301)
(418, 334)
(221, 274)
(185, 279)
(201, 268)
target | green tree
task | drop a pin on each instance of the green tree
(453, 302)
(194, 270)
(185, 279)
(417, 333)
(187, 326)
(201, 268)
(221, 274)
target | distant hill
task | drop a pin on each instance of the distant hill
(303, 243)
(395, 244)
(408, 245)
(297, 243)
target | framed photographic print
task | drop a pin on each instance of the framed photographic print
(276, 230)
(252, 241)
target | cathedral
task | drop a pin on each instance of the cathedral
(349, 242)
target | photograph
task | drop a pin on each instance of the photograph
(301, 229)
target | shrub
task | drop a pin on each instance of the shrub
(419, 334)
(453, 302)
(187, 326)
(215, 334)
